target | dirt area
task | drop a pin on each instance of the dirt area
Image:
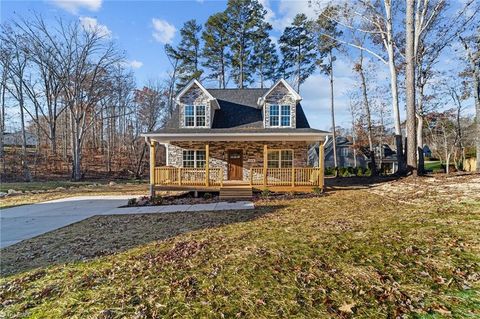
(435, 188)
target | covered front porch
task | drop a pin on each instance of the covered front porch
(277, 165)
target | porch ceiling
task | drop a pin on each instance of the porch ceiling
(291, 136)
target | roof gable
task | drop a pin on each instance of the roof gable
(194, 82)
(295, 95)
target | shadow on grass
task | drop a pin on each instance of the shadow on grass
(106, 235)
(357, 182)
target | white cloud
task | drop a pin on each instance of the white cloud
(73, 6)
(135, 64)
(163, 31)
(91, 24)
(288, 9)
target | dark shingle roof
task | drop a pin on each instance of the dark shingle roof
(238, 113)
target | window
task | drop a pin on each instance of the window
(200, 113)
(344, 151)
(285, 115)
(195, 115)
(274, 115)
(194, 158)
(280, 115)
(280, 159)
(189, 115)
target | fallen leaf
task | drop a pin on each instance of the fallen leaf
(442, 311)
(347, 307)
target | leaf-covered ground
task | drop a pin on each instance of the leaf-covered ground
(351, 253)
(43, 191)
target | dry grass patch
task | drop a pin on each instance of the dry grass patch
(348, 254)
(85, 190)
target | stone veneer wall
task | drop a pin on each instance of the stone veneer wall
(195, 96)
(252, 153)
(281, 96)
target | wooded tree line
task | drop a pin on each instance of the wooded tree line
(72, 87)
(73, 91)
(410, 38)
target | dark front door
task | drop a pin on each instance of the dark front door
(235, 165)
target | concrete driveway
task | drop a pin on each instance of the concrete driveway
(24, 222)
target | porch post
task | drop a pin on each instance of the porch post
(321, 165)
(207, 165)
(152, 168)
(265, 160)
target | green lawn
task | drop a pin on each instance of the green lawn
(433, 165)
(346, 254)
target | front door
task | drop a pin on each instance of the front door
(235, 165)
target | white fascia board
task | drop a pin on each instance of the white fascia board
(297, 96)
(165, 137)
(197, 83)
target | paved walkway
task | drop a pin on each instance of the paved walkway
(24, 222)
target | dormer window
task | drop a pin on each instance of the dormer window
(280, 115)
(195, 116)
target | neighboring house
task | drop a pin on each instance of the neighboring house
(347, 156)
(385, 158)
(250, 138)
(426, 151)
(15, 139)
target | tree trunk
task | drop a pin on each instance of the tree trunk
(332, 112)
(420, 120)
(369, 117)
(2, 123)
(394, 87)
(476, 89)
(26, 172)
(410, 85)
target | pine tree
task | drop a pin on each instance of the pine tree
(189, 52)
(265, 55)
(244, 18)
(298, 48)
(215, 48)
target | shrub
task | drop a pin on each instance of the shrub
(207, 196)
(360, 171)
(368, 172)
(132, 202)
(317, 190)
(265, 193)
(329, 171)
(157, 200)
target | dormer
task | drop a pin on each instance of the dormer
(279, 106)
(196, 106)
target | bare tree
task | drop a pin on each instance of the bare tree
(15, 74)
(375, 18)
(410, 84)
(151, 110)
(472, 48)
(89, 59)
(359, 68)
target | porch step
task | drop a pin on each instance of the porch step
(236, 192)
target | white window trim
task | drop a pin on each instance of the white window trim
(279, 151)
(279, 115)
(194, 157)
(194, 116)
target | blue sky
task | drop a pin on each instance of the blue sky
(141, 28)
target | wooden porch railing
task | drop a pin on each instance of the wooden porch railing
(188, 176)
(296, 176)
